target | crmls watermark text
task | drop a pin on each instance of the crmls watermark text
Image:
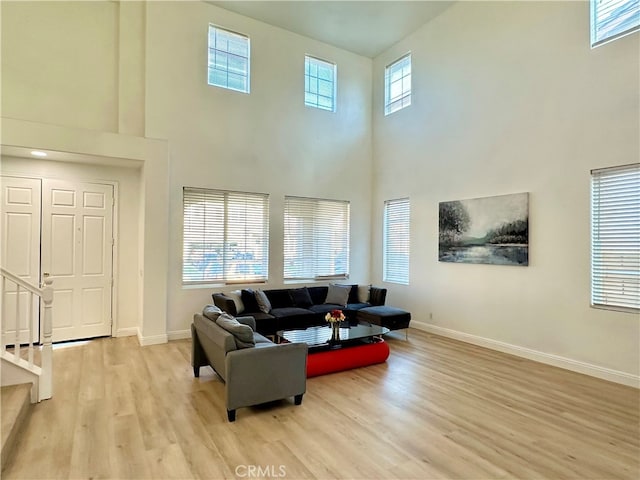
(261, 471)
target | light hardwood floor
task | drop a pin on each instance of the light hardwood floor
(437, 409)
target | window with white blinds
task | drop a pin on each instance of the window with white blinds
(615, 238)
(396, 241)
(397, 85)
(611, 19)
(228, 65)
(226, 236)
(316, 239)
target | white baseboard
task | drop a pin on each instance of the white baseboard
(151, 340)
(542, 357)
(179, 334)
(126, 332)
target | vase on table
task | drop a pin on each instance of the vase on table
(335, 332)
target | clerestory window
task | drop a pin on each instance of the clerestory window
(319, 84)
(228, 59)
(611, 19)
(397, 85)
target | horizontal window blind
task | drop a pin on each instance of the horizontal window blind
(316, 239)
(396, 243)
(615, 237)
(226, 236)
(611, 19)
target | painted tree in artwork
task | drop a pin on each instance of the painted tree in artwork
(454, 221)
(516, 232)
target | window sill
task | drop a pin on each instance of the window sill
(613, 308)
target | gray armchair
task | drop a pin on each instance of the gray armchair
(252, 375)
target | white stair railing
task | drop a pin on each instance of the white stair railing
(19, 343)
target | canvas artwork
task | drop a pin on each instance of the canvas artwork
(492, 230)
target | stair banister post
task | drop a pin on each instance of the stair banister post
(16, 340)
(30, 326)
(46, 386)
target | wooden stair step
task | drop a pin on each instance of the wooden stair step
(15, 405)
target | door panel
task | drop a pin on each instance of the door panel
(77, 241)
(63, 302)
(20, 206)
(93, 246)
(62, 233)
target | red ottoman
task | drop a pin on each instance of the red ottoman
(346, 358)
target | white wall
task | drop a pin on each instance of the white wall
(73, 84)
(507, 98)
(127, 218)
(267, 141)
(50, 76)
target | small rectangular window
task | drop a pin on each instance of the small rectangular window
(225, 236)
(615, 238)
(611, 19)
(397, 85)
(319, 84)
(316, 239)
(228, 59)
(396, 241)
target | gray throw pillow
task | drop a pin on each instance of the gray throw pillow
(236, 296)
(242, 334)
(263, 302)
(338, 295)
(211, 312)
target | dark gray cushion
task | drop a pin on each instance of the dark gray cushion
(300, 297)
(290, 312)
(263, 302)
(248, 297)
(211, 312)
(377, 296)
(338, 294)
(357, 306)
(390, 317)
(226, 304)
(242, 334)
(325, 308)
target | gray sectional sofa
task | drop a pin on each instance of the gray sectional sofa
(254, 369)
(291, 308)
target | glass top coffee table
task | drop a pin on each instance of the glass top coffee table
(321, 337)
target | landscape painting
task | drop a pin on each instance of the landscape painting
(493, 230)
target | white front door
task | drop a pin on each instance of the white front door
(77, 246)
(20, 255)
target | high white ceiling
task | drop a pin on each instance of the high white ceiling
(363, 27)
